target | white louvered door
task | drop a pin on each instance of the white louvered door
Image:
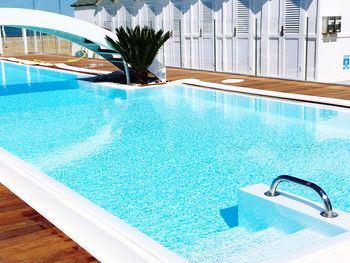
(291, 39)
(128, 11)
(151, 16)
(206, 35)
(176, 28)
(243, 33)
(128, 18)
(198, 35)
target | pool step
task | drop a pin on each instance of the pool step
(107, 51)
(239, 245)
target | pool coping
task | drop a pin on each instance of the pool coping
(61, 205)
(46, 68)
(265, 93)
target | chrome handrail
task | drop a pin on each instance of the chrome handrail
(329, 213)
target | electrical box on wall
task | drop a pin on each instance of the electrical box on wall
(331, 24)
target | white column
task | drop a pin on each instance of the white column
(3, 72)
(1, 48)
(25, 40)
(58, 45)
(35, 42)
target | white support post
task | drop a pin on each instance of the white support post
(59, 45)
(35, 42)
(1, 47)
(25, 40)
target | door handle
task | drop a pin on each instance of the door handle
(234, 31)
(282, 31)
(200, 32)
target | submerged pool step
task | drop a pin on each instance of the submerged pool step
(240, 245)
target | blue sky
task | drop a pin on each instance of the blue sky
(47, 5)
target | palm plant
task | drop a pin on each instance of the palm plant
(138, 47)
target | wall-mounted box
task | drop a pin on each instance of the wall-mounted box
(331, 24)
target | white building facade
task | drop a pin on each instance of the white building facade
(273, 38)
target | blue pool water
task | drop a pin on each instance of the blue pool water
(170, 160)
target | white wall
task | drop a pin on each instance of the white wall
(87, 14)
(276, 56)
(331, 50)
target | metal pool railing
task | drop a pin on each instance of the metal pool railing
(328, 212)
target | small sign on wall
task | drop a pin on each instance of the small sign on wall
(346, 62)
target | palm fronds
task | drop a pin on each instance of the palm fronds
(139, 46)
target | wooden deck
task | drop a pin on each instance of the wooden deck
(288, 86)
(280, 85)
(26, 236)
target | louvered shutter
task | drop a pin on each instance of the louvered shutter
(292, 16)
(128, 17)
(108, 20)
(242, 16)
(207, 16)
(151, 17)
(177, 12)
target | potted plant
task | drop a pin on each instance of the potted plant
(138, 47)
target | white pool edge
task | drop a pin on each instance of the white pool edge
(265, 93)
(48, 68)
(106, 237)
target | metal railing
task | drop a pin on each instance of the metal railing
(329, 213)
(17, 41)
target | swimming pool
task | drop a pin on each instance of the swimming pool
(169, 160)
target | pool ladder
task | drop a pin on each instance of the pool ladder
(328, 212)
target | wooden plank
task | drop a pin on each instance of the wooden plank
(26, 236)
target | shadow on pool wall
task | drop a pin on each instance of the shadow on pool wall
(230, 215)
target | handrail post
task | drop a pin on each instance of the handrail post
(328, 212)
(126, 70)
